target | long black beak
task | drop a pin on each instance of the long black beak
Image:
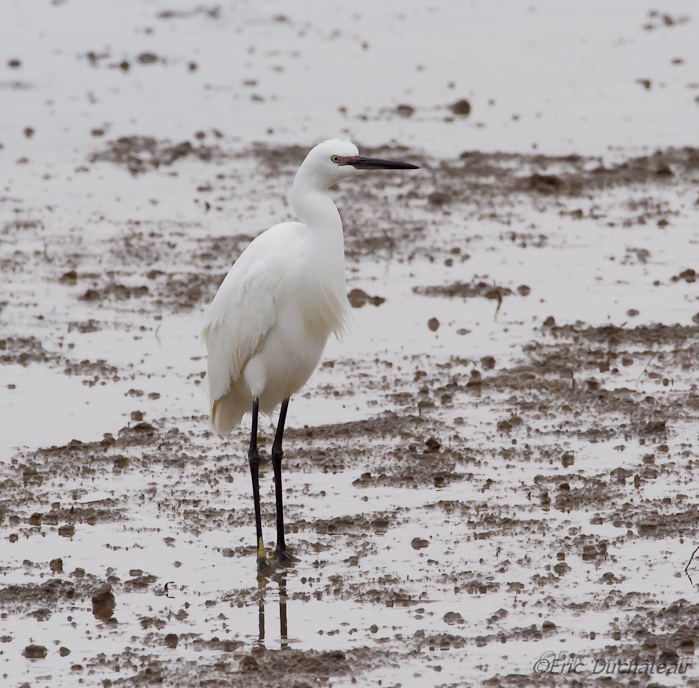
(361, 163)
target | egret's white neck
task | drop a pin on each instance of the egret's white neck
(317, 210)
(324, 243)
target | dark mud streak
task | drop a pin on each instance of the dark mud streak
(142, 153)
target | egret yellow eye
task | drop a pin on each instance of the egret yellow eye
(335, 158)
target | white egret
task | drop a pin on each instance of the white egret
(275, 310)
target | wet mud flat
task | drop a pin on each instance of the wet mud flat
(499, 466)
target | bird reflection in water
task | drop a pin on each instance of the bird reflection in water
(262, 582)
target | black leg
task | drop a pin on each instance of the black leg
(281, 554)
(263, 563)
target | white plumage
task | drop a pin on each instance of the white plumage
(281, 300)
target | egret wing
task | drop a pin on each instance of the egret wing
(241, 315)
(245, 306)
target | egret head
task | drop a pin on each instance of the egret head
(337, 159)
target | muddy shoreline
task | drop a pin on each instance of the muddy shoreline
(494, 468)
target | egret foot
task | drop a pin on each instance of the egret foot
(284, 558)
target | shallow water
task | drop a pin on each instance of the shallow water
(463, 500)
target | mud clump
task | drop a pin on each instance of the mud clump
(419, 543)
(461, 108)
(453, 618)
(140, 582)
(85, 327)
(148, 58)
(688, 276)
(69, 278)
(103, 603)
(35, 652)
(359, 298)
(405, 110)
